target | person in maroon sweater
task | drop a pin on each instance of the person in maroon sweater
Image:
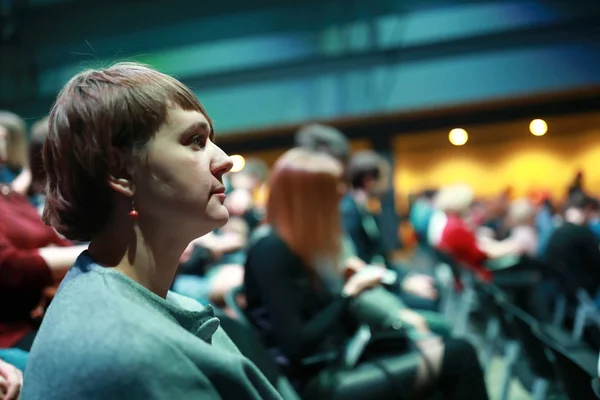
(33, 257)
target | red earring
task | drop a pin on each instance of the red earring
(133, 213)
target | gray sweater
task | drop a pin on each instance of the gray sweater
(107, 337)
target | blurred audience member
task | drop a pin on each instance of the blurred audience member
(39, 132)
(545, 223)
(523, 238)
(595, 219)
(213, 264)
(449, 231)
(576, 187)
(244, 196)
(324, 139)
(495, 214)
(33, 258)
(421, 212)
(368, 173)
(380, 303)
(299, 300)
(14, 162)
(573, 248)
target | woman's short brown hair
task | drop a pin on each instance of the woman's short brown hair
(100, 118)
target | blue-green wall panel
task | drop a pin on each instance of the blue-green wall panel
(418, 85)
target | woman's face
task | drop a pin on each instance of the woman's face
(179, 179)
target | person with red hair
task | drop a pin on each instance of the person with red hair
(302, 303)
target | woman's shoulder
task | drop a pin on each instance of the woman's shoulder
(266, 238)
(267, 248)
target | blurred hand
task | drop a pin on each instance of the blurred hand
(352, 265)
(11, 381)
(412, 318)
(421, 286)
(362, 281)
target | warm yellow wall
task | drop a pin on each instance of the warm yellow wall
(491, 161)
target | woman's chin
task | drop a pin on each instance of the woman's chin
(219, 215)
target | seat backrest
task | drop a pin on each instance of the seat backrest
(574, 366)
(447, 259)
(525, 327)
(522, 326)
(502, 307)
(575, 380)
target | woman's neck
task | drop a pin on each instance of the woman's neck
(142, 252)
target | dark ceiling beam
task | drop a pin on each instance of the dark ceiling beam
(392, 124)
(75, 22)
(581, 30)
(69, 21)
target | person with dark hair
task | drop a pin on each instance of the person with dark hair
(132, 167)
(324, 139)
(576, 187)
(302, 304)
(368, 173)
(39, 132)
(573, 249)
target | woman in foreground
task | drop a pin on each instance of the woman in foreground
(298, 298)
(133, 168)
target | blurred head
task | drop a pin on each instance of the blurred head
(580, 208)
(370, 172)
(429, 194)
(252, 176)
(13, 140)
(324, 139)
(521, 212)
(303, 203)
(455, 199)
(129, 133)
(39, 132)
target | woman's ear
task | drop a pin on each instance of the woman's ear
(123, 186)
(120, 179)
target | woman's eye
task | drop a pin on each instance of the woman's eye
(198, 140)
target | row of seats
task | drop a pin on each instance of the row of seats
(554, 354)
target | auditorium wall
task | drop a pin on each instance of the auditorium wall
(501, 156)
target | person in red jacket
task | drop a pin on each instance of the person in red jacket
(449, 232)
(33, 257)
